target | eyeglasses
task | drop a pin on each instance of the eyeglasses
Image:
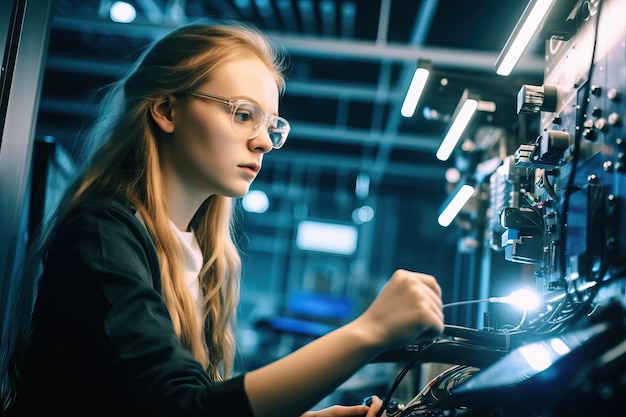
(248, 119)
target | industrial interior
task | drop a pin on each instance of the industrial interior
(503, 175)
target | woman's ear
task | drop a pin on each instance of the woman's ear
(162, 112)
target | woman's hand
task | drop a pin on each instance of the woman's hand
(349, 411)
(408, 305)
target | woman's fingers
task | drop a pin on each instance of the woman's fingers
(375, 404)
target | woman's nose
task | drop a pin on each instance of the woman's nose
(261, 142)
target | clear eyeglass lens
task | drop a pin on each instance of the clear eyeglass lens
(247, 116)
(278, 130)
(248, 119)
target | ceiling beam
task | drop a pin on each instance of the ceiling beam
(432, 173)
(115, 70)
(338, 49)
(364, 137)
(423, 21)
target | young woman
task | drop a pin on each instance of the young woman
(139, 275)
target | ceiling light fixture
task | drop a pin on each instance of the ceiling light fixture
(533, 15)
(122, 12)
(461, 195)
(460, 119)
(256, 201)
(416, 88)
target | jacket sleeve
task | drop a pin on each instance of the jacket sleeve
(101, 292)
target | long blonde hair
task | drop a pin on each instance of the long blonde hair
(126, 164)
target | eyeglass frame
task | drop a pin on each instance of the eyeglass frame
(234, 103)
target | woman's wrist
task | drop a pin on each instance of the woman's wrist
(367, 334)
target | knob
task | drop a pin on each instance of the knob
(554, 141)
(589, 134)
(532, 99)
(613, 94)
(596, 111)
(601, 124)
(614, 119)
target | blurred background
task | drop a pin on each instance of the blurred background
(357, 190)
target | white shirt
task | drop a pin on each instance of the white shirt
(192, 258)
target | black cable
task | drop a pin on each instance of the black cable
(399, 379)
(547, 185)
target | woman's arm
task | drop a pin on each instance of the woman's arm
(409, 304)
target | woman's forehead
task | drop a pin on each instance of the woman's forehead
(245, 77)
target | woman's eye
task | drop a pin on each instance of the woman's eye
(242, 116)
(247, 112)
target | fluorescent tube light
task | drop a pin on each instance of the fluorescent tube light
(526, 27)
(455, 205)
(413, 94)
(460, 122)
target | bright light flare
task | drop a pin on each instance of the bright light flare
(256, 201)
(523, 299)
(537, 356)
(122, 12)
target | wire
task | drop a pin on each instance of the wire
(460, 303)
(409, 365)
(547, 185)
(399, 379)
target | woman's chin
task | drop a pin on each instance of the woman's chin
(236, 193)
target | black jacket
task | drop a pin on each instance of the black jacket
(102, 339)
